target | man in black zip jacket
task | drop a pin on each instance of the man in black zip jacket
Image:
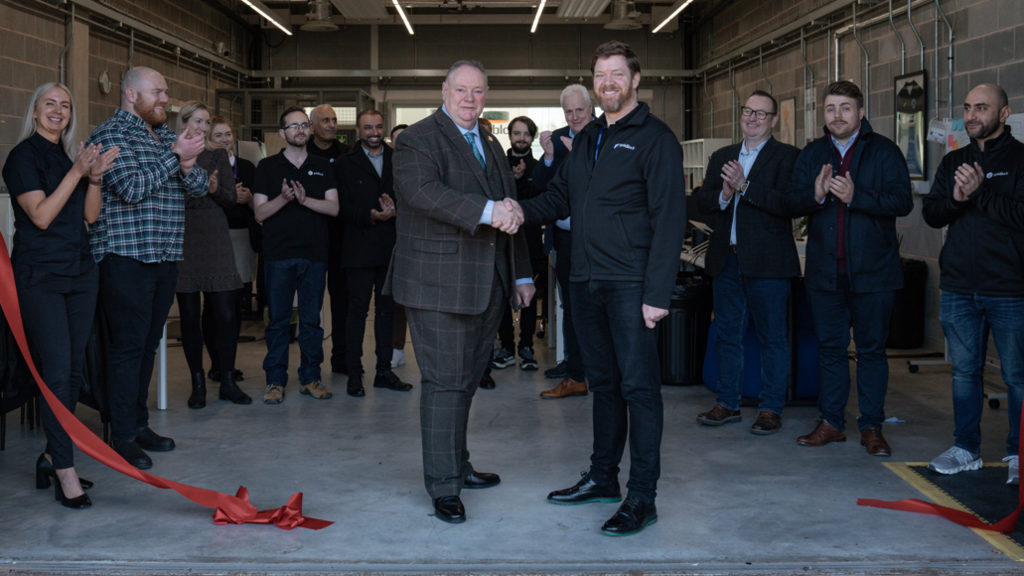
(624, 183)
(978, 192)
(852, 184)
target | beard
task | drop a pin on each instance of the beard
(521, 147)
(614, 103)
(147, 111)
(984, 131)
(299, 140)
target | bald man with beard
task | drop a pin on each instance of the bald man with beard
(137, 241)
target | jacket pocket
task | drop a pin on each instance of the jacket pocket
(434, 246)
(626, 242)
(442, 228)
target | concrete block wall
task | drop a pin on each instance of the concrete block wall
(32, 36)
(988, 47)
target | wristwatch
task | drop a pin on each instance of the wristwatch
(743, 188)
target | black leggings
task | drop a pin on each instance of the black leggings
(224, 306)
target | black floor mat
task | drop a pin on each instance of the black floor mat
(984, 492)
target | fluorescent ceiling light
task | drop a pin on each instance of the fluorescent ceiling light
(536, 19)
(404, 18)
(678, 7)
(268, 14)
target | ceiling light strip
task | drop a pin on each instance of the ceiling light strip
(682, 5)
(536, 19)
(266, 13)
(404, 18)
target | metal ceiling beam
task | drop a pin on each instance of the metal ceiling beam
(480, 17)
(439, 73)
(234, 16)
(360, 9)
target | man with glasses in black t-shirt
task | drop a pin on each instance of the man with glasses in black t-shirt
(294, 195)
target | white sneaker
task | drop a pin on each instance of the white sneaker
(955, 460)
(1014, 475)
(397, 358)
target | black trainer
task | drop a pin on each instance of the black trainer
(559, 372)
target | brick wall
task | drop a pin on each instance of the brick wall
(989, 47)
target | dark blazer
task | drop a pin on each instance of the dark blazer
(542, 174)
(367, 243)
(444, 259)
(881, 194)
(764, 231)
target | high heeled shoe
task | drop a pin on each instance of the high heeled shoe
(45, 471)
(77, 503)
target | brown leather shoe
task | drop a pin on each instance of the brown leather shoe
(718, 416)
(767, 423)
(872, 439)
(567, 387)
(822, 435)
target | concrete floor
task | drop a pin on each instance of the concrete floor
(729, 502)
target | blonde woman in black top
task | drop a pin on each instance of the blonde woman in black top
(56, 188)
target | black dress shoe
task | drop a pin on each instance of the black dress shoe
(633, 516)
(76, 503)
(391, 380)
(488, 383)
(45, 471)
(586, 491)
(230, 391)
(449, 509)
(560, 371)
(132, 454)
(355, 386)
(478, 480)
(215, 376)
(149, 440)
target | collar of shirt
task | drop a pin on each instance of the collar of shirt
(475, 130)
(371, 155)
(747, 159)
(849, 143)
(135, 121)
(758, 148)
(40, 143)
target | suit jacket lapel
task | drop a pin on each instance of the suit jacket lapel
(453, 133)
(763, 157)
(360, 159)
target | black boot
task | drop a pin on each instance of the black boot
(198, 398)
(230, 391)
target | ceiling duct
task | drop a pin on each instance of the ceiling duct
(624, 16)
(581, 8)
(318, 17)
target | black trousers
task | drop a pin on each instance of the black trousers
(337, 286)
(563, 265)
(210, 323)
(216, 324)
(136, 299)
(364, 283)
(58, 313)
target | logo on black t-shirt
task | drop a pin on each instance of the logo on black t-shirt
(311, 173)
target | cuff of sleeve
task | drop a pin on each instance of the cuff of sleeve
(487, 217)
(722, 203)
(522, 281)
(548, 162)
(170, 161)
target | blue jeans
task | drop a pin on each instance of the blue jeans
(621, 356)
(834, 312)
(966, 321)
(284, 278)
(767, 300)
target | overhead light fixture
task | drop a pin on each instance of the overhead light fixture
(267, 14)
(536, 19)
(581, 8)
(678, 7)
(404, 18)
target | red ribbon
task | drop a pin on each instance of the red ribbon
(229, 509)
(1006, 525)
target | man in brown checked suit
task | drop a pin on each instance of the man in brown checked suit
(457, 263)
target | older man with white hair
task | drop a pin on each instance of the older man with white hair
(137, 241)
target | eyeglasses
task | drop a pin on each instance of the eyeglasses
(760, 114)
(304, 126)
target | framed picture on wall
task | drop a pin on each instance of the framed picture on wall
(787, 121)
(911, 108)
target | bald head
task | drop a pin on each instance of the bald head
(985, 112)
(325, 125)
(144, 93)
(992, 93)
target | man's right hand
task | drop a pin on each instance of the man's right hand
(547, 145)
(507, 216)
(288, 192)
(822, 183)
(188, 147)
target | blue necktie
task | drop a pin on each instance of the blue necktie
(476, 151)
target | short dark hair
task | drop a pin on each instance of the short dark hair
(616, 48)
(531, 126)
(845, 88)
(397, 128)
(290, 110)
(368, 112)
(763, 94)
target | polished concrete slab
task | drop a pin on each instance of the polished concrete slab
(729, 501)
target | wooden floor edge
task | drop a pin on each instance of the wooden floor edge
(1000, 541)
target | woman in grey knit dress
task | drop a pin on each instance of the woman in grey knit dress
(208, 268)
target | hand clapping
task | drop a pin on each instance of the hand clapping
(842, 187)
(386, 212)
(968, 179)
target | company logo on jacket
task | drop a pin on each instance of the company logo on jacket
(991, 175)
(623, 145)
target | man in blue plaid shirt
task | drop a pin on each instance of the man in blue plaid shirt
(137, 241)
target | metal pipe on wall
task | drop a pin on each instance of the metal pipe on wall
(910, 9)
(949, 89)
(64, 52)
(903, 46)
(732, 83)
(131, 53)
(808, 71)
(712, 101)
(828, 53)
(761, 58)
(867, 63)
